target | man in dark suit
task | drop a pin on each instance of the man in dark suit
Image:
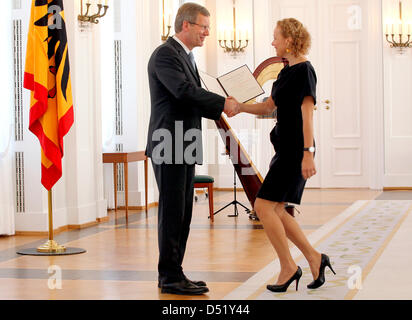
(174, 145)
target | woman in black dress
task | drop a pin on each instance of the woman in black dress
(294, 97)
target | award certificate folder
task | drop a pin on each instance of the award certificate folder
(239, 83)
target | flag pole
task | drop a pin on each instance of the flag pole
(51, 246)
(42, 105)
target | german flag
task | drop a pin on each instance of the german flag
(47, 76)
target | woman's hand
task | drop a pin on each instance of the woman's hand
(308, 166)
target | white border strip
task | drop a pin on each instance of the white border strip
(263, 276)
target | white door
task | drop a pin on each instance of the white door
(342, 93)
(338, 56)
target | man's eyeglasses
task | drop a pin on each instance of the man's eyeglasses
(205, 28)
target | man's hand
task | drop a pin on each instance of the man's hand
(232, 107)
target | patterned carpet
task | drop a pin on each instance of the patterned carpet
(354, 246)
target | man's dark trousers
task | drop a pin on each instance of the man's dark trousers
(175, 183)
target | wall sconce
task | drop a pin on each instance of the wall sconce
(401, 44)
(233, 43)
(86, 18)
(165, 35)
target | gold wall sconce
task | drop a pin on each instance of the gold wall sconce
(402, 30)
(165, 35)
(92, 18)
(234, 41)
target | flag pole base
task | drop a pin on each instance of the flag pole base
(36, 252)
(51, 246)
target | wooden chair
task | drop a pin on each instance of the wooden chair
(206, 182)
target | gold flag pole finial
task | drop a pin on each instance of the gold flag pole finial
(51, 246)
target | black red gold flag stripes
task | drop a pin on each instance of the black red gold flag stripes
(47, 75)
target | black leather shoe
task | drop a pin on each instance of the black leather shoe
(325, 262)
(196, 283)
(183, 287)
(284, 287)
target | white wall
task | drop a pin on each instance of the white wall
(264, 14)
(83, 180)
(80, 196)
(398, 104)
(219, 63)
(376, 147)
(127, 35)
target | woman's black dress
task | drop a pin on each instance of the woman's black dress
(284, 181)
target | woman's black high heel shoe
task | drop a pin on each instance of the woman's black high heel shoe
(325, 262)
(284, 287)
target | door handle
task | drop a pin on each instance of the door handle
(328, 102)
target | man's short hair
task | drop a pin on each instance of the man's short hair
(189, 12)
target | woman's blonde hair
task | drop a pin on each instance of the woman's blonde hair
(301, 39)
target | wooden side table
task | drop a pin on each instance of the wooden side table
(125, 158)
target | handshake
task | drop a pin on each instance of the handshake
(232, 107)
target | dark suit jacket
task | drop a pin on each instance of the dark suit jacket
(177, 104)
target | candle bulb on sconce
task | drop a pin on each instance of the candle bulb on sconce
(219, 35)
(235, 42)
(399, 43)
(165, 35)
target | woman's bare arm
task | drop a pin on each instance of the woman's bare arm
(260, 109)
(307, 113)
(308, 164)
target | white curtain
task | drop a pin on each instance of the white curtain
(107, 79)
(6, 107)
